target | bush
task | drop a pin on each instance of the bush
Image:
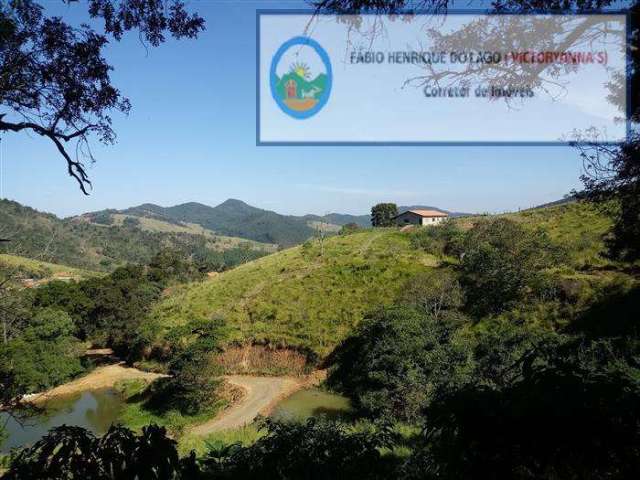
(444, 239)
(392, 363)
(569, 409)
(313, 450)
(73, 452)
(434, 291)
(502, 264)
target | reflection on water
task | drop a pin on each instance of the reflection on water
(312, 403)
(94, 410)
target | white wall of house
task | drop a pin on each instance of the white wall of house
(432, 220)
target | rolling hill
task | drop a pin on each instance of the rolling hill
(231, 218)
(236, 218)
(79, 243)
(300, 298)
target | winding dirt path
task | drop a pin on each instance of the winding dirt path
(261, 395)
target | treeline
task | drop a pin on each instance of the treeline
(45, 330)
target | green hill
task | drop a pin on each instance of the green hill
(93, 246)
(301, 298)
(39, 270)
(318, 84)
(231, 218)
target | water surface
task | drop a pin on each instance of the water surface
(312, 402)
(94, 410)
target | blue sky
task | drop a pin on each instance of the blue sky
(191, 137)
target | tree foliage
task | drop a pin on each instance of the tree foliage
(311, 450)
(503, 263)
(73, 452)
(392, 363)
(55, 81)
(45, 354)
(195, 377)
(382, 214)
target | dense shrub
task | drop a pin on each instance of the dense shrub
(392, 363)
(312, 450)
(572, 410)
(502, 264)
(74, 453)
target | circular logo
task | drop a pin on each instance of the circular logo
(301, 77)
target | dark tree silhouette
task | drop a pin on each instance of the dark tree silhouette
(382, 214)
(55, 81)
(73, 452)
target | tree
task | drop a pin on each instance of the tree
(73, 452)
(569, 409)
(382, 214)
(194, 375)
(315, 450)
(54, 79)
(435, 291)
(502, 263)
(45, 354)
(392, 363)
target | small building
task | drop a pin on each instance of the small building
(420, 217)
(292, 88)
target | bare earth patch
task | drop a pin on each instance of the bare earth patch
(102, 377)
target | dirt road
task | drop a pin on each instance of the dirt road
(261, 395)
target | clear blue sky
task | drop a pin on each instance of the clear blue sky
(191, 137)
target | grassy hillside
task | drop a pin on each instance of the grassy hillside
(579, 227)
(300, 297)
(38, 270)
(81, 244)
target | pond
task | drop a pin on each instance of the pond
(312, 402)
(95, 410)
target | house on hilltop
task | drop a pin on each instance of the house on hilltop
(420, 217)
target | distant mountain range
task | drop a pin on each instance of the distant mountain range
(102, 241)
(238, 219)
(232, 218)
(136, 233)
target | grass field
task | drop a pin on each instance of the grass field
(579, 227)
(309, 296)
(38, 270)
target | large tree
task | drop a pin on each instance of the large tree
(54, 79)
(382, 214)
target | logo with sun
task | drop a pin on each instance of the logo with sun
(301, 90)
